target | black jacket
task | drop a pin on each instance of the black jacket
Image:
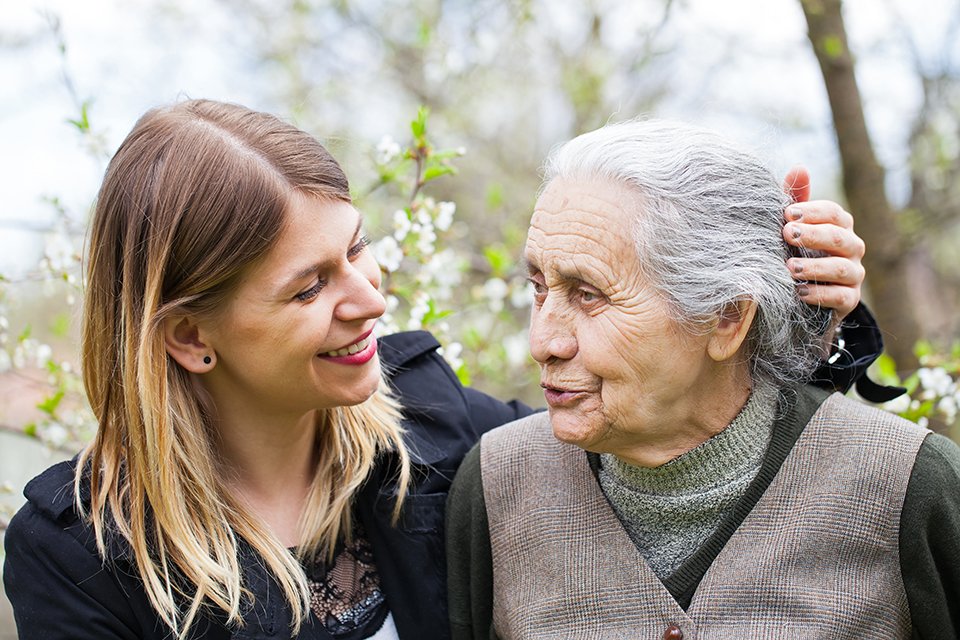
(60, 588)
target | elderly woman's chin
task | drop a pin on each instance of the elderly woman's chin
(584, 425)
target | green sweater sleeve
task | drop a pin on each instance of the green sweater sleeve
(469, 559)
(930, 540)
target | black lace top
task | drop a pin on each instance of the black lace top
(345, 594)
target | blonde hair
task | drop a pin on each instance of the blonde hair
(197, 193)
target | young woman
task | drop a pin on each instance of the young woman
(253, 475)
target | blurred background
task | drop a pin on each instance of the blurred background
(865, 93)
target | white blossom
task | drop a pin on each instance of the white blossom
(441, 272)
(495, 290)
(426, 241)
(521, 295)
(899, 404)
(423, 215)
(401, 224)
(517, 348)
(43, 354)
(421, 305)
(451, 353)
(948, 407)
(387, 150)
(388, 253)
(392, 303)
(59, 254)
(935, 381)
(54, 434)
(445, 215)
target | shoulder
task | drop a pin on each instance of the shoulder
(929, 546)
(520, 434)
(51, 494)
(49, 519)
(857, 419)
(935, 480)
(55, 577)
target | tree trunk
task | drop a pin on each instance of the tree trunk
(863, 183)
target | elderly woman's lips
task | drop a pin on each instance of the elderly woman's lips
(563, 397)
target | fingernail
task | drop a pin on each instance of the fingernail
(796, 233)
(797, 267)
(803, 290)
(794, 213)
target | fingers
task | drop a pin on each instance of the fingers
(819, 212)
(841, 299)
(796, 184)
(831, 239)
(827, 270)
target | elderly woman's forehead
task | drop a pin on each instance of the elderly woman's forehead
(593, 196)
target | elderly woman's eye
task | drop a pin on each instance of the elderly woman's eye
(588, 296)
(539, 289)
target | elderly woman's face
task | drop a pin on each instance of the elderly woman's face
(617, 371)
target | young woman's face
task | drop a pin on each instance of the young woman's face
(297, 333)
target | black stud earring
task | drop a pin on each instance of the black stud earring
(207, 359)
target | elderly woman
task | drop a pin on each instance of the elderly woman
(687, 482)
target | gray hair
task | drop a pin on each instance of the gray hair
(708, 233)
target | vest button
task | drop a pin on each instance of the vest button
(673, 632)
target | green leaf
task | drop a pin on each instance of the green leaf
(49, 404)
(30, 429)
(83, 122)
(436, 171)
(499, 259)
(494, 196)
(472, 339)
(887, 369)
(463, 375)
(419, 126)
(923, 348)
(434, 314)
(25, 334)
(444, 154)
(424, 34)
(60, 326)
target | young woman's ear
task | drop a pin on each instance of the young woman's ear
(731, 330)
(185, 344)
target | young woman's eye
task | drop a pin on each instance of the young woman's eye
(312, 292)
(358, 248)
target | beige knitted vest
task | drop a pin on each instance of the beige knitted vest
(817, 557)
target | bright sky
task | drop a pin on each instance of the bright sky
(129, 63)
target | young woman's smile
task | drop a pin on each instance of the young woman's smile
(357, 353)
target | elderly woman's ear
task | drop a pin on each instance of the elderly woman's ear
(731, 330)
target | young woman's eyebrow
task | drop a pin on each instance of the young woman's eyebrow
(323, 264)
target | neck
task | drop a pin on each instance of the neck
(702, 411)
(271, 462)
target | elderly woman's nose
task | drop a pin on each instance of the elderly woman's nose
(550, 337)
